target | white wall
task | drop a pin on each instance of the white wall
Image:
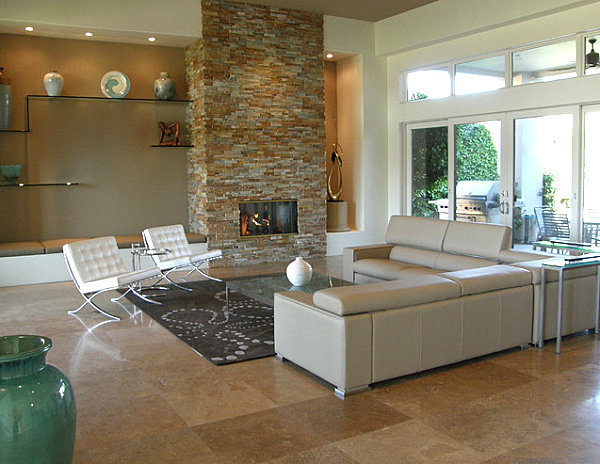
(531, 22)
(361, 129)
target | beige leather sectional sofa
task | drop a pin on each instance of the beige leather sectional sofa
(437, 292)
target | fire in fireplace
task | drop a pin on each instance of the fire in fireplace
(268, 217)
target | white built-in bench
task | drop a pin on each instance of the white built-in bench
(41, 261)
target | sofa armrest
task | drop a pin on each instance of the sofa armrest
(510, 255)
(352, 254)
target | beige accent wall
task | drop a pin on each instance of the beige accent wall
(104, 145)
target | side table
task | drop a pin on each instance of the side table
(138, 251)
(561, 265)
(136, 254)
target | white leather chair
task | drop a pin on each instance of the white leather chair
(180, 256)
(96, 267)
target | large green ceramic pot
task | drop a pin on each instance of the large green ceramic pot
(37, 407)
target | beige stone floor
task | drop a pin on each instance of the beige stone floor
(145, 397)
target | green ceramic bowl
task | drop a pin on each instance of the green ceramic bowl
(10, 171)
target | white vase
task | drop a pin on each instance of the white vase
(164, 87)
(53, 81)
(299, 272)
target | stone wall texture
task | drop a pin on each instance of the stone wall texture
(258, 125)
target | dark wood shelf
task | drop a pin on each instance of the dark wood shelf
(13, 130)
(171, 146)
(38, 184)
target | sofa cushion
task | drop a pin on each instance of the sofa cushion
(489, 279)
(454, 262)
(416, 256)
(475, 239)
(21, 248)
(380, 268)
(386, 295)
(416, 231)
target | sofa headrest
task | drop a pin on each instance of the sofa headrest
(476, 239)
(416, 231)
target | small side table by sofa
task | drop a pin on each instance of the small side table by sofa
(561, 265)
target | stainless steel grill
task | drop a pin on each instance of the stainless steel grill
(478, 201)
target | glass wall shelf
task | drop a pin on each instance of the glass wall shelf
(37, 184)
(75, 97)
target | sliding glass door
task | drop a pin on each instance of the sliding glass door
(543, 178)
(591, 173)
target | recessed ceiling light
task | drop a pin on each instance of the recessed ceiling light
(89, 34)
(329, 55)
(29, 29)
(151, 39)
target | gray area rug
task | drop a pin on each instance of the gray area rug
(201, 319)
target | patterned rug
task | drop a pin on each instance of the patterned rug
(201, 319)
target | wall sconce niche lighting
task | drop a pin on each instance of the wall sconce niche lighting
(329, 55)
(151, 39)
(29, 29)
(88, 34)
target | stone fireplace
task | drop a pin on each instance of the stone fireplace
(258, 128)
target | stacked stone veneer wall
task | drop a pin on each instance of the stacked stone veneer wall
(258, 126)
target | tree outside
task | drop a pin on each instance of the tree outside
(476, 159)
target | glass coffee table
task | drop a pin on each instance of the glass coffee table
(263, 288)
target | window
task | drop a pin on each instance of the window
(479, 75)
(433, 83)
(544, 64)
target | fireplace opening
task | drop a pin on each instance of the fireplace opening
(268, 217)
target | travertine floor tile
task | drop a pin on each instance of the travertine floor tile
(322, 455)
(335, 419)
(571, 446)
(106, 422)
(258, 437)
(180, 446)
(216, 399)
(407, 442)
(488, 427)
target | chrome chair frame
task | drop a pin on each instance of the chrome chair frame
(132, 285)
(173, 237)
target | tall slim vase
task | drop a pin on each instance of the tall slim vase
(37, 406)
(5, 105)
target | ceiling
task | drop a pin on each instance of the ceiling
(366, 10)
(134, 21)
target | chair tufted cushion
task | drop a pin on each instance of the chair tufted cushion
(94, 259)
(171, 237)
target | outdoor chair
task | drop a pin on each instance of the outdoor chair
(96, 266)
(551, 225)
(180, 255)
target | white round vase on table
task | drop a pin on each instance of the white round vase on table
(53, 82)
(299, 272)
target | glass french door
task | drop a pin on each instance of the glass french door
(591, 172)
(463, 183)
(479, 188)
(545, 176)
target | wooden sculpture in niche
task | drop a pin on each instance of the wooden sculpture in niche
(336, 165)
(169, 134)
